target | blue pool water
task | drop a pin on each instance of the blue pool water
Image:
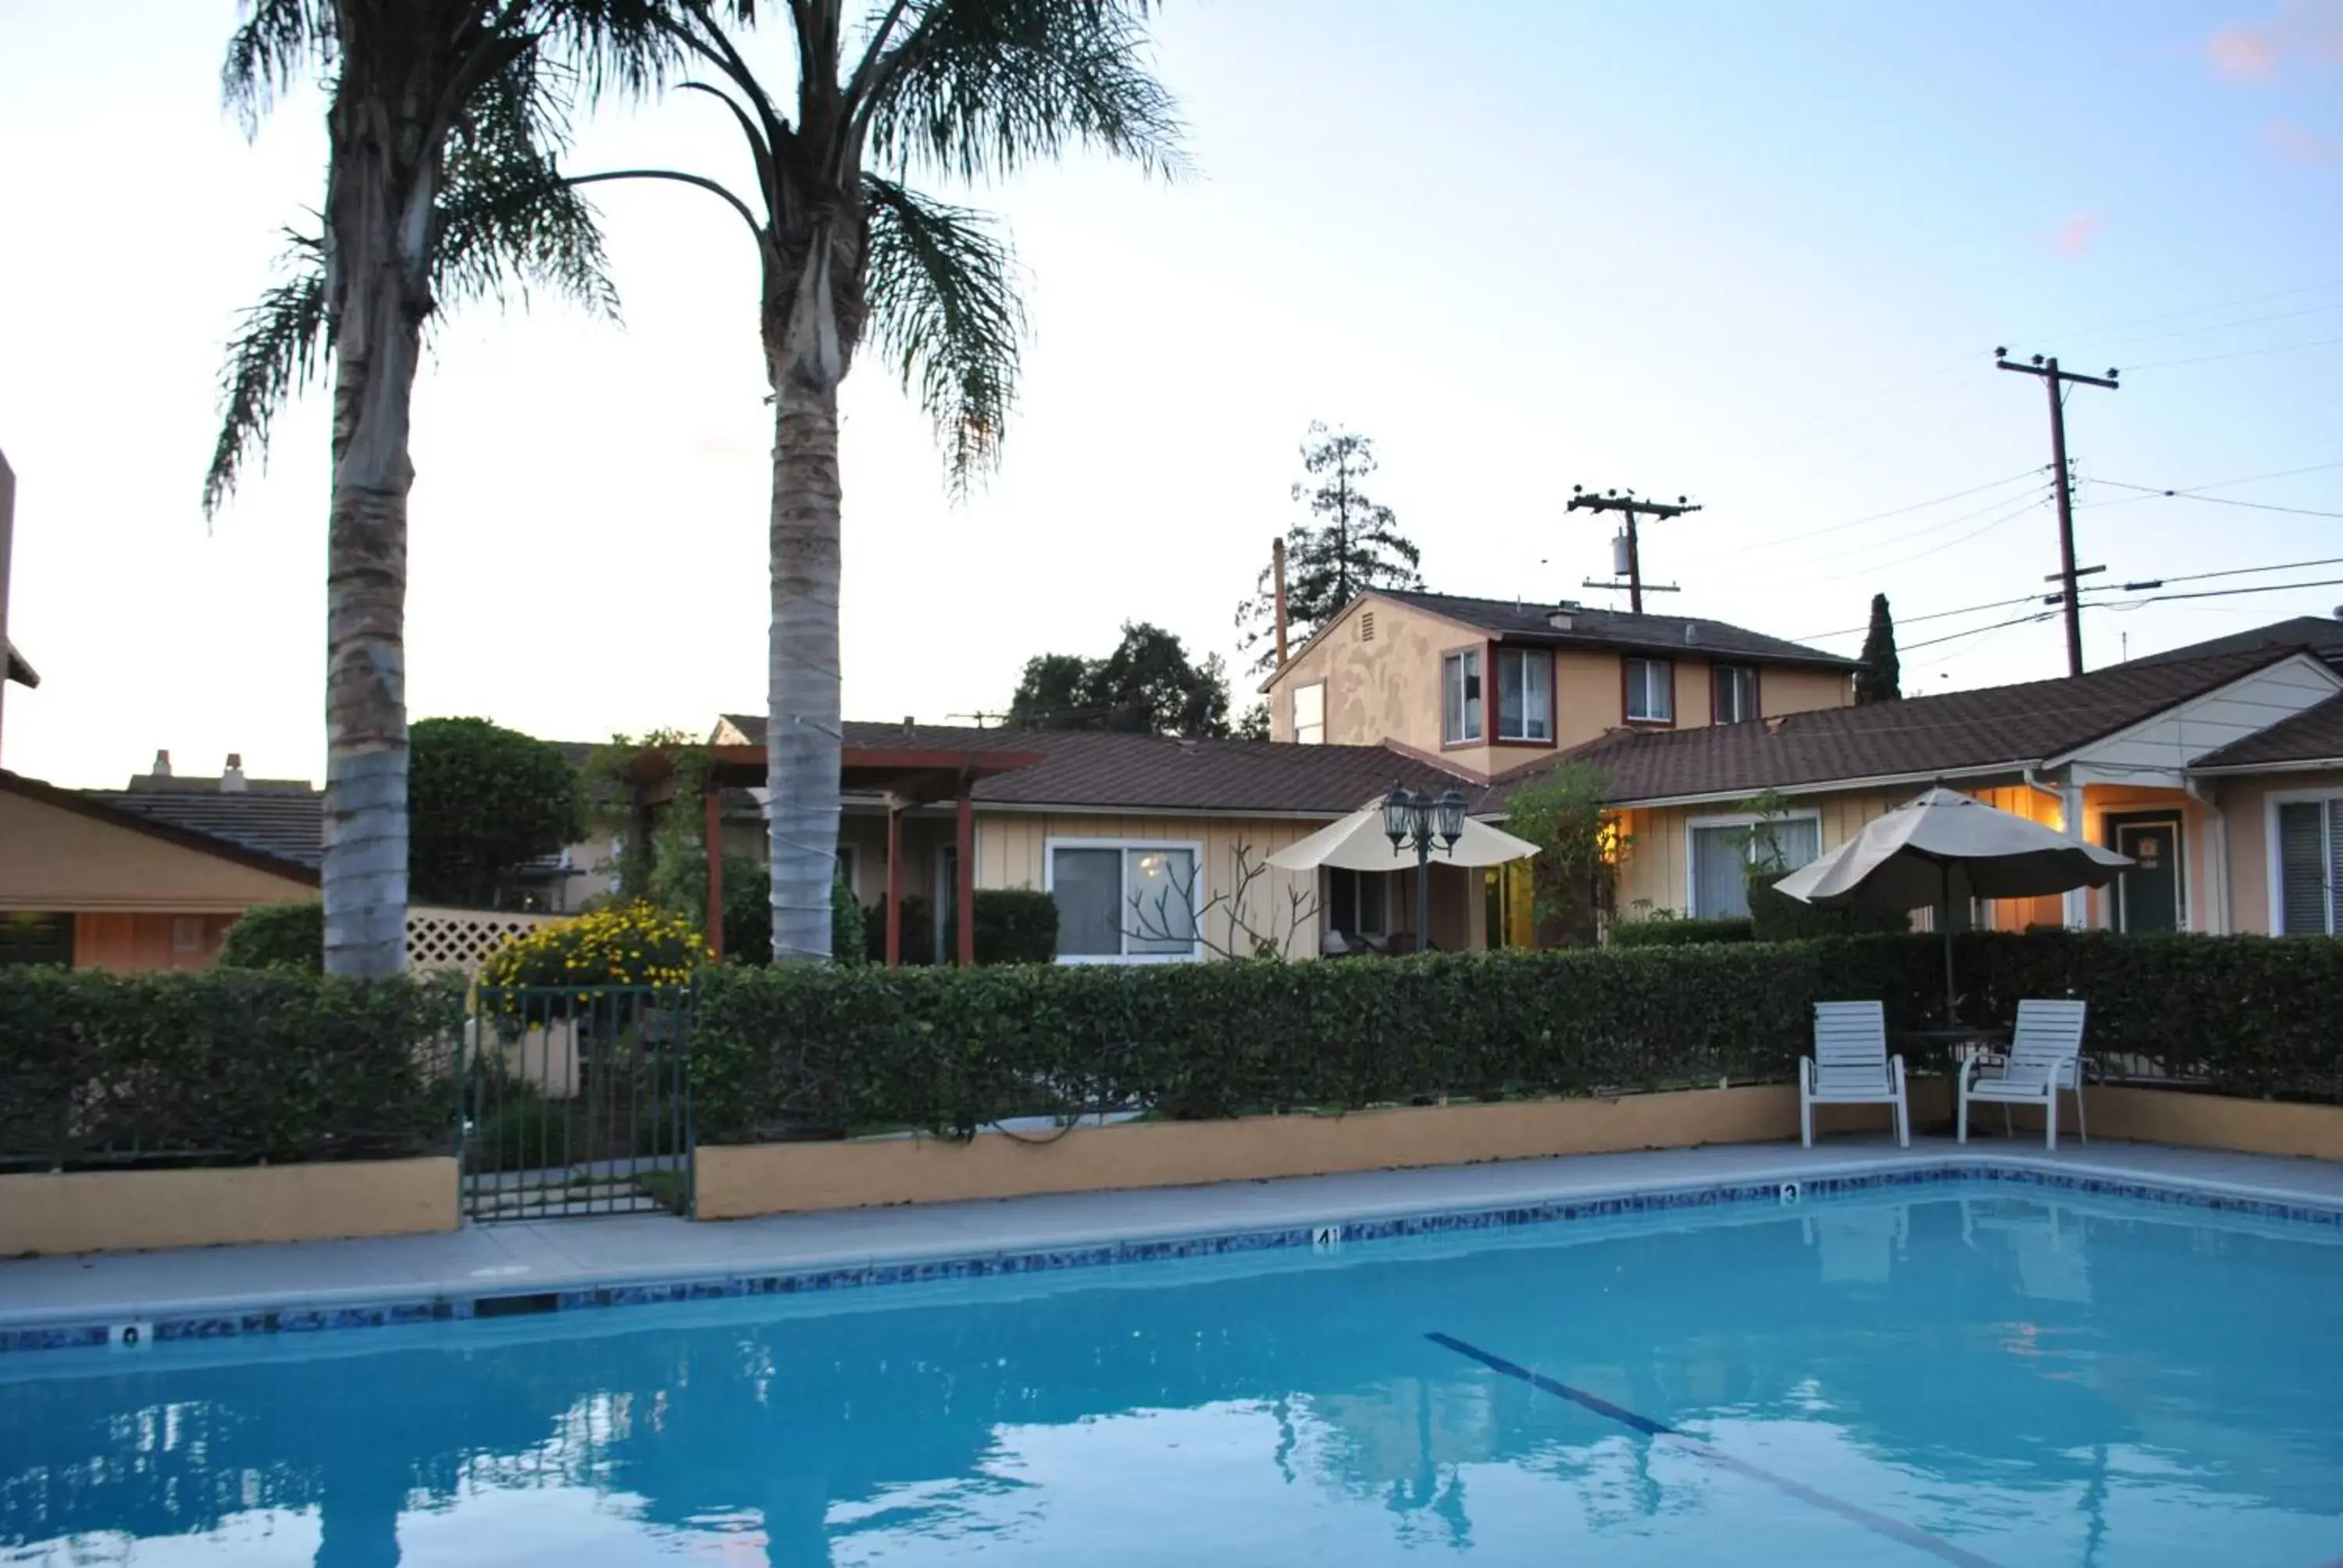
(1966, 1377)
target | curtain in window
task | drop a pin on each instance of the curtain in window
(1521, 696)
(1720, 859)
(1087, 887)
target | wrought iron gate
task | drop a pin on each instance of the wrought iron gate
(577, 1101)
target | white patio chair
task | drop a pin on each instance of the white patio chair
(2045, 1055)
(1851, 1066)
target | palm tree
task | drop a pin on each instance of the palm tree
(961, 88)
(441, 187)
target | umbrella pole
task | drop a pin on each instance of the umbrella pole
(1945, 916)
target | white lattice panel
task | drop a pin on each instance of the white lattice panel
(462, 939)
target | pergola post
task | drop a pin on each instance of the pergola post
(964, 894)
(894, 886)
(712, 812)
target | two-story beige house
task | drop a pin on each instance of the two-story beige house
(1488, 687)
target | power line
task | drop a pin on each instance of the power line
(2218, 485)
(2151, 492)
(2032, 503)
(2218, 593)
(2228, 572)
(2237, 354)
(1629, 506)
(1904, 620)
(1883, 517)
(2225, 326)
(2193, 310)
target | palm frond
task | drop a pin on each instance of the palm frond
(505, 215)
(278, 350)
(983, 87)
(944, 306)
(277, 40)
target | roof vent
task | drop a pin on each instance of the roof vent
(161, 769)
(232, 781)
(1691, 634)
(1559, 620)
(1366, 626)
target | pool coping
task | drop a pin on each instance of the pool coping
(1346, 1212)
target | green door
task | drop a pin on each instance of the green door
(2147, 896)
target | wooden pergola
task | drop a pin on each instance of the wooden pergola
(905, 776)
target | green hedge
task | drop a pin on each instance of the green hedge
(809, 1051)
(1779, 918)
(1013, 926)
(287, 936)
(223, 1067)
(1680, 933)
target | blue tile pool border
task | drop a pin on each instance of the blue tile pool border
(164, 1325)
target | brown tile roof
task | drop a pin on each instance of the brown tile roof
(2320, 634)
(1529, 621)
(278, 824)
(1961, 731)
(2314, 734)
(1098, 769)
(103, 805)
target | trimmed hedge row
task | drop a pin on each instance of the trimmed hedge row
(1659, 933)
(811, 1052)
(223, 1067)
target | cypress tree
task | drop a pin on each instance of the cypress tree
(1877, 675)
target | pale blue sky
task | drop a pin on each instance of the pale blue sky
(1759, 254)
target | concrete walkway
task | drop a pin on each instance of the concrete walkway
(643, 1249)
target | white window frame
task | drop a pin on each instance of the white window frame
(1195, 848)
(1739, 820)
(1544, 715)
(1303, 734)
(1627, 690)
(1459, 736)
(2332, 799)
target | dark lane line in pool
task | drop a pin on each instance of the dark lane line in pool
(1879, 1524)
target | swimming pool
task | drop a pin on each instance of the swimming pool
(1965, 1374)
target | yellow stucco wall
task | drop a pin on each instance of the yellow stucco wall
(128, 1211)
(53, 858)
(2246, 803)
(1656, 866)
(1789, 690)
(121, 942)
(735, 1182)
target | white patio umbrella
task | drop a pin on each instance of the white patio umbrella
(1358, 843)
(1942, 843)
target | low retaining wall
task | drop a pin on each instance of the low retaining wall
(131, 1210)
(733, 1182)
(2210, 1122)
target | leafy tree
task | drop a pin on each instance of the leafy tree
(1878, 677)
(287, 936)
(968, 89)
(482, 802)
(1053, 694)
(1579, 847)
(444, 121)
(1252, 724)
(1355, 544)
(1147, 685)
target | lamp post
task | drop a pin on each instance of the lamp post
(1415, 819)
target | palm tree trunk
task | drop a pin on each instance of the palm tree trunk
(802, 738)
(375, 257)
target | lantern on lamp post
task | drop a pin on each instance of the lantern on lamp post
(1417, 820)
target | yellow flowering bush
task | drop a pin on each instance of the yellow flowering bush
(628, 944)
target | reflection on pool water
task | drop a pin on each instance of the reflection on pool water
(1968, 1377)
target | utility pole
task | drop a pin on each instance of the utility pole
(2054, 381)
(1631, 506)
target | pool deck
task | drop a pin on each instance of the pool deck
(520, 1258)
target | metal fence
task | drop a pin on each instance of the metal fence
(577, 1101)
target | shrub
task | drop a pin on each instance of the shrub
(630, 944)
(525, 1132)
(1013, 926)
(918, 935)
(287, 936)
(482, 801)
(1779, 918)
(1680, 933)
(847, 942)
(823, 1048)
(222, 1067)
